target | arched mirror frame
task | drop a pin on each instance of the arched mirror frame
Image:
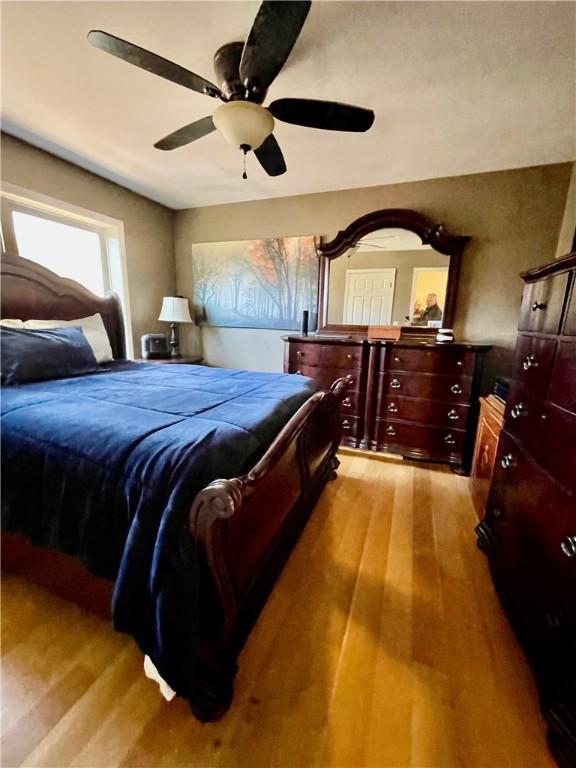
(430, 233)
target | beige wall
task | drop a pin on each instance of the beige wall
(404, 263)
(568, 228)
(513, 218)
(148, 226)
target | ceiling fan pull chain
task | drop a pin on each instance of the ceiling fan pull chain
(245, 148)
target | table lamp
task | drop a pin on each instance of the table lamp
(174, 310)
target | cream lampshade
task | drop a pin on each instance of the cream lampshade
(243, 123)
(175, 309)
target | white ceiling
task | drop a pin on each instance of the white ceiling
(457, 88)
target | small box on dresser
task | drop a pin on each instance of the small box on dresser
(529, 530)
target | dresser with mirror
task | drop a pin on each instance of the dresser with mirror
(410, 396)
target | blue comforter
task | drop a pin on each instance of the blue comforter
(106, 466)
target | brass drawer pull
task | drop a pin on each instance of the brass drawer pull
(300, 353)
(299, 373)
(395, 384)
(349, 357)
(396, 359)
(459, 362)
(390, 431)
(347, 403)
(497, 513)
(349, 380)
(449, 439)
(568, 546)
(456, 389)
(538, 305)
(518, 410)
(530, 362)
(453, 415)
(346, 424)
(507, 461)
(392, 408)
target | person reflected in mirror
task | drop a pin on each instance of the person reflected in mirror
(432, 311)
(417, 311)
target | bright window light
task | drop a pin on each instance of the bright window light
(69, 251)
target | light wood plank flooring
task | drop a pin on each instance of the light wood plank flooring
(383, 644)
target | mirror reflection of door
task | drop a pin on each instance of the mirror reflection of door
(368, 297)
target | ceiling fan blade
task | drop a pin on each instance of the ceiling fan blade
(187, 134)
(151, 62)
(270, 157)
(327, 115)
(272, 37)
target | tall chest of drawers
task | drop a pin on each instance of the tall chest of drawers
(529, 531)
(413, 398)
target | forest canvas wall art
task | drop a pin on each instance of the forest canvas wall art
(256, 283)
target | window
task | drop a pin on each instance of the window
(82, 245)
(68, 250)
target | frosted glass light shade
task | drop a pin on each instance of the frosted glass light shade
(175, 309)
(242, 122)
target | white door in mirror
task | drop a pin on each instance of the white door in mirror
(369, 296)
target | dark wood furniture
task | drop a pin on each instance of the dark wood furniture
(31, 292)
(244, 527)
(489, 427)
(408, 397)
(430, 233)
(529, 531)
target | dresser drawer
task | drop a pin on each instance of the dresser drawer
(352, 403)
(412, 438)
(532, 520)
(325, 377)
(351, 426)
(533, 363)
(542, 304)
(547, 432)
(563, 381)
(303, 354)
(341, 355)
(435, 360)
(450, 389)
(452, 416)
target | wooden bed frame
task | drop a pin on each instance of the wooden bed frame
(244, 539)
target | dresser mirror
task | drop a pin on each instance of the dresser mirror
(390, 267)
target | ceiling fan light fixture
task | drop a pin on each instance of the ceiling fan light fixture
(243, 123)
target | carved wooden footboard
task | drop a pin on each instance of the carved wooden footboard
(246, 528)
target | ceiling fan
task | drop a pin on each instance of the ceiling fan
(244, 72)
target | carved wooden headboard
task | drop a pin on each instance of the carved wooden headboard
(32, 292)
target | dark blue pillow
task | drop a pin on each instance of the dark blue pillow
(54, 353)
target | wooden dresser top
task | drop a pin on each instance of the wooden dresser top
(411, 343)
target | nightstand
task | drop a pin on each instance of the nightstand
(487, 436)
(184, 360)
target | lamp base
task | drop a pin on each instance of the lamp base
(174, 345)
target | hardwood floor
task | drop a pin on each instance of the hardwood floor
(383, 644)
